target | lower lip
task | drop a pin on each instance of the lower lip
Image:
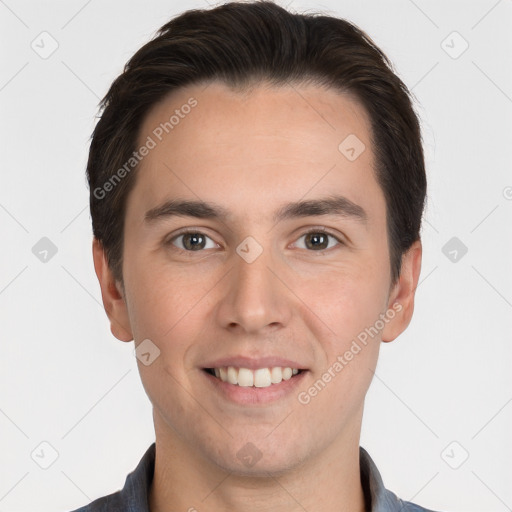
(253, 395)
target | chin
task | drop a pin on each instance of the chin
(251, 461)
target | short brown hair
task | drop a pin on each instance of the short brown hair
(242, 44)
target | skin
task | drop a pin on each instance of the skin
(253, 152)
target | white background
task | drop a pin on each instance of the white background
(66, 380)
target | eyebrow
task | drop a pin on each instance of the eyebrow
(332, 205)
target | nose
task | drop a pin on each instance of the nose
(255, 298)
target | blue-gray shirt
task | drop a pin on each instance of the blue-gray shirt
(133, 497)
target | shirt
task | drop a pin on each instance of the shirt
(133, 497)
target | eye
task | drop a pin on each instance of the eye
(192, 241)
(318, 240)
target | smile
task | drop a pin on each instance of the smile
(259, 378)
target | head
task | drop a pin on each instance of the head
(248, 121)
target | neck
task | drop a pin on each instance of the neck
(186, 481)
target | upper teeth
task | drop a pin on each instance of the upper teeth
(260, 378)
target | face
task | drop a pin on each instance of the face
(255, 246)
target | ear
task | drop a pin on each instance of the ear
(401, 298)
(111, 294)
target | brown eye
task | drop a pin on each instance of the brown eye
(317, 241)
(193, 241)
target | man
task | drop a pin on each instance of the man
(257, 184)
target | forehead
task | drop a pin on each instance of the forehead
(265, 144)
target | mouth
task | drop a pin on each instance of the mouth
(256, 378)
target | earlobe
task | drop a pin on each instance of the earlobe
(113, 300)
(401, 298)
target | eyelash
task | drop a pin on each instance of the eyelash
(314, 230)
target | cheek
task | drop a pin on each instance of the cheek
(171, 308)
(344, 313)
(339, 392)
(345, 301)
(161, 297)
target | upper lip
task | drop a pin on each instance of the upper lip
(254, 363)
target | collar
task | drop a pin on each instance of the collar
(133, 497)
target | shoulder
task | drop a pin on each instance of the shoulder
(133, 497)
(109, 503)
(380, 498)
(395, 503)
(407, 506)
